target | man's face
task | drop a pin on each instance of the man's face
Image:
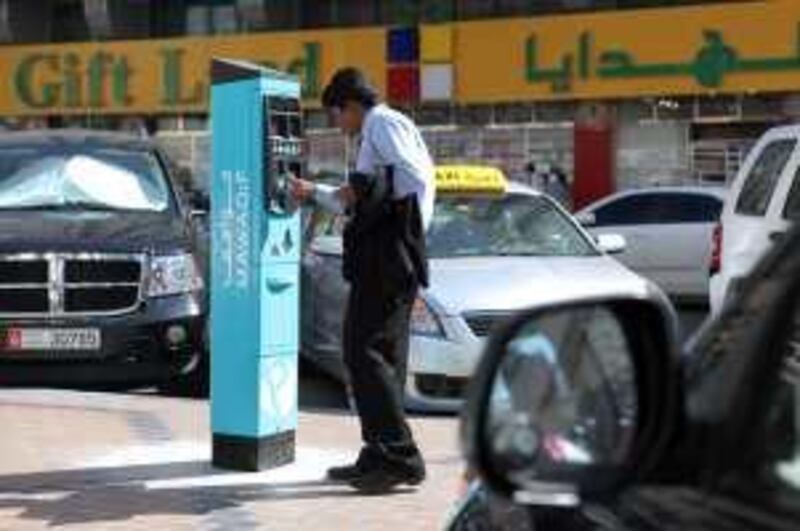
(349, 118)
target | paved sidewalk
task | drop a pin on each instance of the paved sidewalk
(98, 461)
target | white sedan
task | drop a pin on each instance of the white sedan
(490, 256)
(669, 234)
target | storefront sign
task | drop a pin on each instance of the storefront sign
(741, 47)
(166, 76)
(710, 65)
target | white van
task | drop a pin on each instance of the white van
(763, 201)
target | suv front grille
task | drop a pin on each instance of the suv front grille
(23, 272)
(24, 301)
(60, 285)
(482, 324)
(94, 271)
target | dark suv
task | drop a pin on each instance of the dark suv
(101, 280)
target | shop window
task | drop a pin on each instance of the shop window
(196, 122)
(318, 13)
(762, 107)
(400, 12)
(636, 110)
(718, 107)
(318, 119)
(468, 9)
(512, 8)
(555, 112)
(70, 20)
(674, 108)
(513, 113)
(170, 19)
(472, 115)
(435, 115)
(281, 14)
(438, 10)
(224, 20)
(198, 20)
(356, 12)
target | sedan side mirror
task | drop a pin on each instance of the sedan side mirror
(611, 243)
(587, 219)
(574, 400)
(200, 203)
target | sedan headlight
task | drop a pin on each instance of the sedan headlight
(423, 321)
(173, 275)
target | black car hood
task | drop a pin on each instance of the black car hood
(91, 231)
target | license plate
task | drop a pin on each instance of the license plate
(20, 339)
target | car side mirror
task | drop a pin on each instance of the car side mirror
(611, 243)
(200, 203)
(587, 219)
(574, 400)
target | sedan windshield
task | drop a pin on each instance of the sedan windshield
(515, 225)
(84, 179)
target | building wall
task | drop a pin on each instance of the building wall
(495, 91)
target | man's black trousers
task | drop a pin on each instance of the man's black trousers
(376, 331)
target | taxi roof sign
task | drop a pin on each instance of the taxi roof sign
(482, 180)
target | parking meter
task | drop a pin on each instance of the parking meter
(257, 140)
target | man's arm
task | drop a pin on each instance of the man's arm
(327, 197)
(334, 199)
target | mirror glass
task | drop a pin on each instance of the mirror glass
(564, 396)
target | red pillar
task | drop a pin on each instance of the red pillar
(593, 144)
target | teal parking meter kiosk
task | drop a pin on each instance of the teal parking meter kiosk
(257, 140)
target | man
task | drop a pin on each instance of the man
(389, 199)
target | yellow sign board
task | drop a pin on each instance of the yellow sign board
(735, 47)
(170, 75)
(469, 180)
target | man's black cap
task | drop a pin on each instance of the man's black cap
(349, 84)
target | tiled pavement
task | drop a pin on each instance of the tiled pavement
(102, 461)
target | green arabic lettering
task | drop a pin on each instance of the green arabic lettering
(615, 63)
(714, 60)
(584, 55)
(559, 78)
(712, 63)
(620, 64)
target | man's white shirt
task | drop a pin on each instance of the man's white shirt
(389, 138)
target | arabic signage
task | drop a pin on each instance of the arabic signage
(168, 75)
(740, 48)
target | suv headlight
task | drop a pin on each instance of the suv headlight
(423, 321)
(173, 275)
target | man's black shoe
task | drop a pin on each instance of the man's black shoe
(344, 473)
(381, 480)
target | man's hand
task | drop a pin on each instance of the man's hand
(346, 195)
(300, 189)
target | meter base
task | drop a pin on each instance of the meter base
(253, 454)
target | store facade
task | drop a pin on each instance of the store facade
(618, 98)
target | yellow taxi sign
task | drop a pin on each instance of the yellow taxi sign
(470, 180)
